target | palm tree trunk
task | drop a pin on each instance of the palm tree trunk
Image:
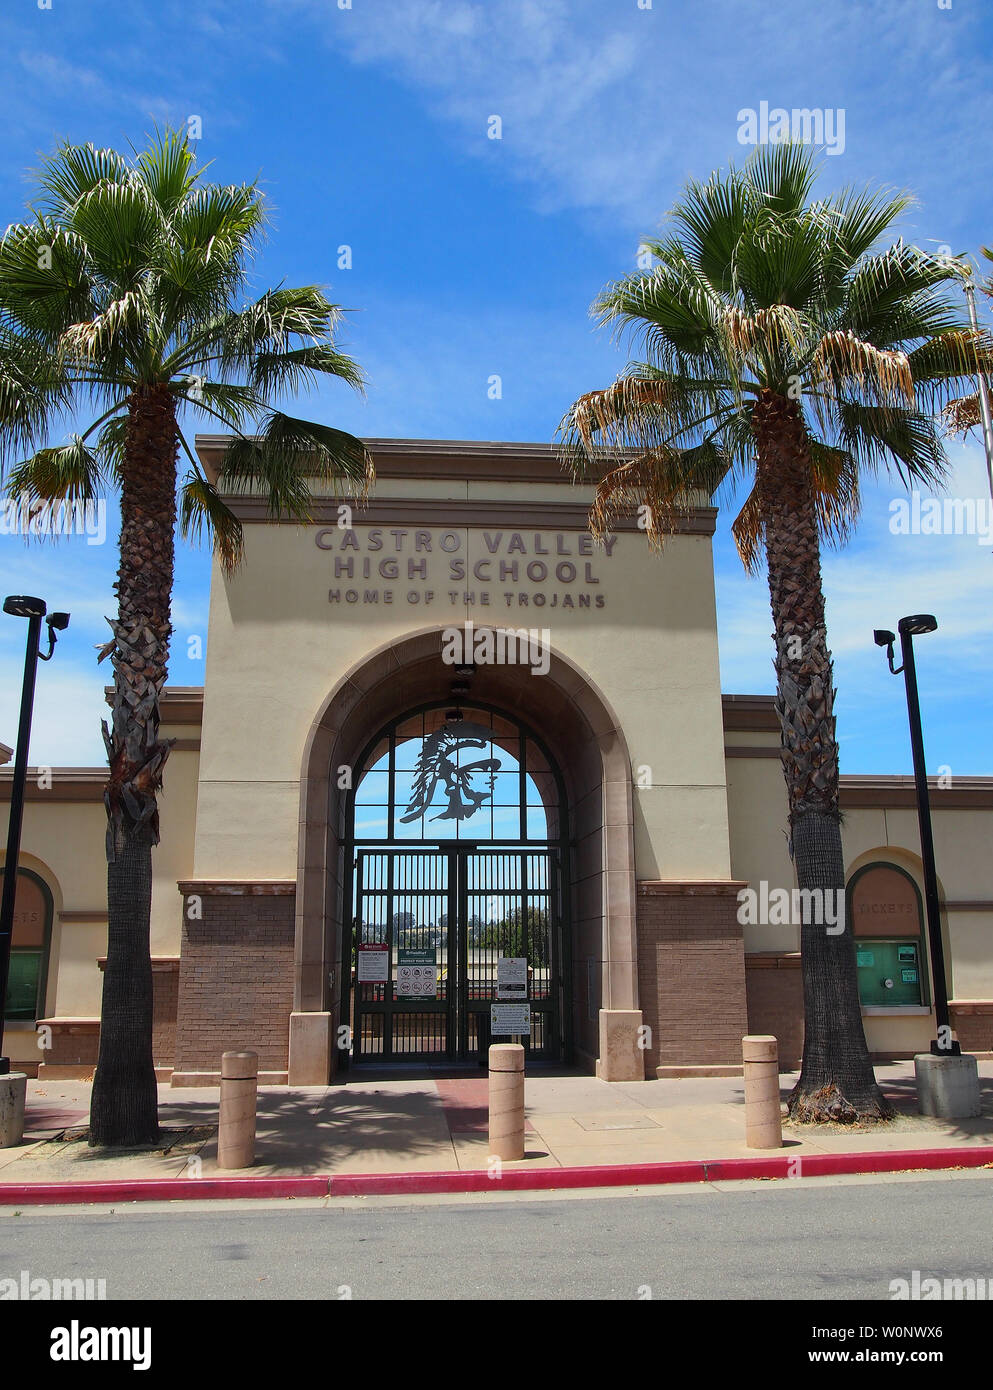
(124, 1106)
(836, 1077)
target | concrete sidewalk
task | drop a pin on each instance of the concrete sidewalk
(391, 1125)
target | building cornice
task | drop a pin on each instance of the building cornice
(895, 793)
(456, 461)
(750, 713)
(67, 784)
(447, 459)
(567, 515)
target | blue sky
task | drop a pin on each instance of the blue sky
(472, 256)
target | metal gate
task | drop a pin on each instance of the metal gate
(454, 911)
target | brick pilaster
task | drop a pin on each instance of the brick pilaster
(235, 973)
(691, 973)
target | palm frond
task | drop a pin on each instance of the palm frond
(297, 368)
(229, 402)
(167, 168)
(963, 414)
(280, 459)
(782, 173)
(842, 360)
(70, 471)
(75, 170)
(121, 225)
(45, 282)
(907, 441)
(34, 390)
(94, 339)
(202, 511)
(664, 483)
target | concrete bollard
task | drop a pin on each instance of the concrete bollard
(236, 1122)
(948, 1085)
(763, 1108)
(13, 1091)
(506, 1062)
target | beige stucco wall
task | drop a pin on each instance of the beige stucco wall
(963, 852)
(963, 839)
(277, 646)
(63, 841)
(757, 813)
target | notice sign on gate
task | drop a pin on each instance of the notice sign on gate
(373, 965)
(510, 1018)
(417, 974)
(512, 977)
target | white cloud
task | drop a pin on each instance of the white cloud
(607, 107)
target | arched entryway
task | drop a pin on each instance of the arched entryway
(575, 723)
(456, 859)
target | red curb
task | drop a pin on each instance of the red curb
(515, 1179)
(158, 1190)
(511, 1179)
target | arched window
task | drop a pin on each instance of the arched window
(887, 916)
(33, 910)
(469, 776)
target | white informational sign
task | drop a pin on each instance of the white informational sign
(510, 1018)
(512, 977)
(373, 965)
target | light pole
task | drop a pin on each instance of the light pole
(34, 609)
(909, 628)
(984, 397)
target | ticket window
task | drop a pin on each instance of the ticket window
(889, 973)
(886, 912)
(29, 949)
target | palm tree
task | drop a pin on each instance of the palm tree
(966, 413)
(123, 293)
(785, 351)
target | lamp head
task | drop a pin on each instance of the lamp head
(59, 621)
(23, 606)
(917, 624)
(882, 638)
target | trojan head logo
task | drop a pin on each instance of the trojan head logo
(467, 786)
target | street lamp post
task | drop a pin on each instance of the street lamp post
(909, 628)
(34, 609)
(985, 414)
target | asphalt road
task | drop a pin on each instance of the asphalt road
(808, 1239)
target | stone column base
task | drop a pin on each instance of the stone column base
(621, 1059)
(947, 1087)
(310, 1049)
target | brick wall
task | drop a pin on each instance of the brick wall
(235, 975)
(775, 1001)
(972, 1022)
(165, 999)
(691, 973)
(76, 1042)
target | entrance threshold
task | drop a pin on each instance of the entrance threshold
(413, 1071)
